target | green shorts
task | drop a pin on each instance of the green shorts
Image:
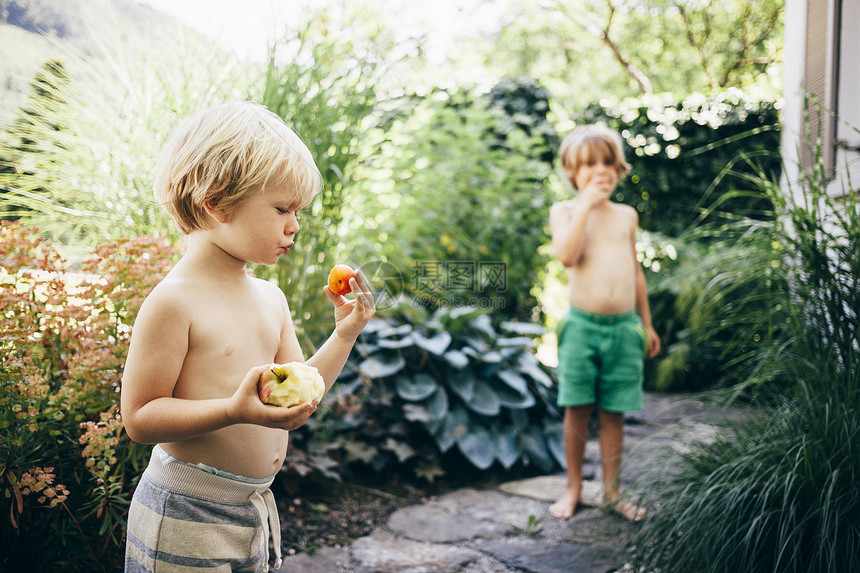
(601, 359)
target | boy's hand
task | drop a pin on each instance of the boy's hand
(245, 406)
(351, 315)
(653, 342)
(594, 193)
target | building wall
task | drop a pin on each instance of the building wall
(822, 38)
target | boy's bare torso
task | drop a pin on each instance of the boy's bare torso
(604, 278)
(232, 327)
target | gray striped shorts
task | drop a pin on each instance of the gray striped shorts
(183, 518)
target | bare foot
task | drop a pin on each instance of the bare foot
(566, 504)
(626, 509)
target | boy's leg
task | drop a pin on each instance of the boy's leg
(575, 436)
(611, 449)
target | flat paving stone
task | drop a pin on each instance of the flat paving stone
(326, 560)
(437, 525)
(382, 552)
(538, 556)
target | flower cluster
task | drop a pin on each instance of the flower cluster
(64, 336)
(100, 440)
(40, 481)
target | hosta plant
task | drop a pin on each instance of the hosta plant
(422, 390)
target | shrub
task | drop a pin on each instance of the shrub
(780, 492)
(66, 468)
(416, 391)
(468, 185)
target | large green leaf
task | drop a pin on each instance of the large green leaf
(505, 446)
(554, 433)
(512, 399)
(523, 328)
(381, 366)
(437, 404)
(534, 447)
(515, 342)
(403, 342)
(463, 384)
(484, 400)
(436, 344)
(416, 387)
(513, 380)
(484, 324)
(528, 364)
(454, 427)
(476, 444)
(395, 331)
(457, 359)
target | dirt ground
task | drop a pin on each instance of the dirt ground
(327, 513)
(332, 513)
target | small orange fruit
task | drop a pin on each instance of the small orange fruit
(338, 279)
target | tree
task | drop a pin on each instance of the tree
(583, 50)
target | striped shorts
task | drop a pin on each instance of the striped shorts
(183, 519)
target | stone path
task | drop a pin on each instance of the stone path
(509, 528)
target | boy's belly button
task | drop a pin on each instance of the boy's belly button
(229, 350)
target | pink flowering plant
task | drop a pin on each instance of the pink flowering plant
(67, 469)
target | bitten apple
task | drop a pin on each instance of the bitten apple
(290, 384)
(338, 279)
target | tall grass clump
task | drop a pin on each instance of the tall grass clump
(778, 492)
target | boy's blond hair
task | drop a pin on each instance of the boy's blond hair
(221, 156)
(580, 144)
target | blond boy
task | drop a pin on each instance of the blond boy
(234, 178)
(607, 332)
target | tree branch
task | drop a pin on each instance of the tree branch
(700, 46)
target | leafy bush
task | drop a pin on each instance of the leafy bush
(327, 94)
(467, 185)
(415, 389)
(690, 152)
(66, 468)
(779, 493)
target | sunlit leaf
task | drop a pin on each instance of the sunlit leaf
(416, 387)
(525, 328)
(382, 366)
(457, 359)
(512, 399)
(436, 344)
(513, 380)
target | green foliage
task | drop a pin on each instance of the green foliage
(417, 389)
(77, 160)
(779, 493)
(583, 50)
(467, 183)
(66, 468)
(688, 153)
(326, 92)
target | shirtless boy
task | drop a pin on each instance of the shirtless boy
(234, 178)
(607, 332)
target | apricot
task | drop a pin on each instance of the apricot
(338, 279)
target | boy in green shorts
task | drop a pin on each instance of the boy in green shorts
(607, 332)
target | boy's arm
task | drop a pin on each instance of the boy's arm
(350, 318)
(567, 224)
(642, 306)
(151, 414)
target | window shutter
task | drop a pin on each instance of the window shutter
(820, 47)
